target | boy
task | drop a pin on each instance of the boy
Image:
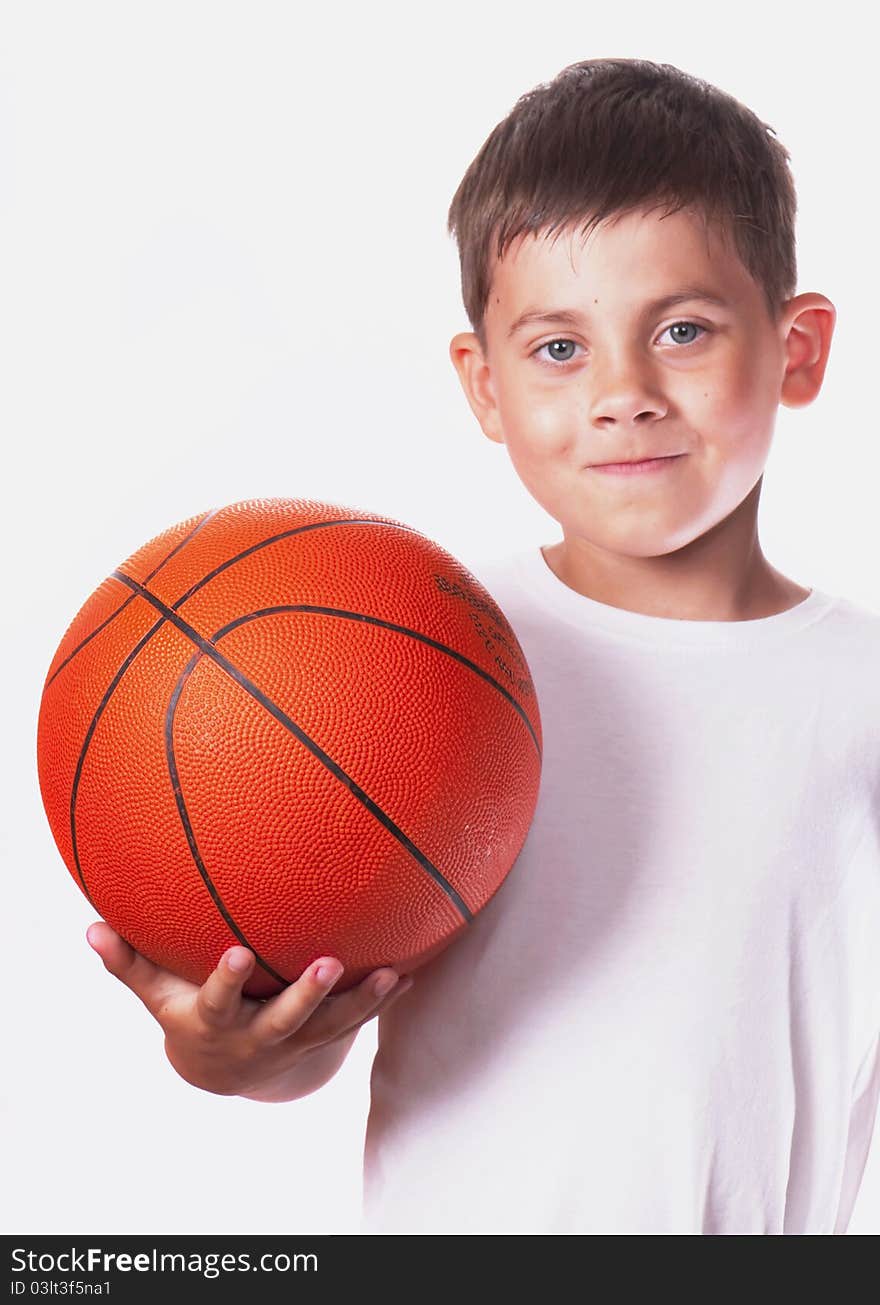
(668, 1018)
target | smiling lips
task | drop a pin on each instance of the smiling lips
(638, 467)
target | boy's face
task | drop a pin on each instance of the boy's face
(625, 379)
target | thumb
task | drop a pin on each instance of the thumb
(151, 983)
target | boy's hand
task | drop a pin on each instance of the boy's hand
(224, 1042)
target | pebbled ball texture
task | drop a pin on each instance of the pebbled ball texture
(292, 725)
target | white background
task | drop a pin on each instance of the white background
(225, 274)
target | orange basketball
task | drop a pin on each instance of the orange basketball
(295, 726)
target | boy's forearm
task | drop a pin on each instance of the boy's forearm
(307, 1076)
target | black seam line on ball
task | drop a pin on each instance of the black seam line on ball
(187, 825)
(225, 664)
(88, 738)
(400, 629)
(146, 638)
(285, 534)
(131, 597)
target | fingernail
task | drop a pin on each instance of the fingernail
(385, 984)
(238, 961)
(89, 939)
(328, 973)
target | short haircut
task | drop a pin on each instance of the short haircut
(608, 136)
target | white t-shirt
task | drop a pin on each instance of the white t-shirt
(667, 1018)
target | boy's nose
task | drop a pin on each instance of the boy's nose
(624, 408)
(622, 392)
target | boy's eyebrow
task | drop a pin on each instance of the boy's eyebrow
(571, 317)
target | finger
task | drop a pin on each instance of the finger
(219, 998)
(284, 1013)
(337, 1016)
(151, 983)
(403, 985)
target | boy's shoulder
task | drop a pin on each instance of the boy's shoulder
(856, 622)
(504, 577)
(851, 650)
(498, 565)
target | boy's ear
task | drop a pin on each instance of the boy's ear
(476, 381)
(807, 328)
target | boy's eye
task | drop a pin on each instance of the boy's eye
(552, 346)
(555, 358)
(678, 326)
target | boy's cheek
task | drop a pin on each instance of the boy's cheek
(555, 454)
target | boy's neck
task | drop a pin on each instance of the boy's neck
(722, 576)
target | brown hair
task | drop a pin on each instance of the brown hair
(611, 135)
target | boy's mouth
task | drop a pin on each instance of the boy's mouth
(639, 465)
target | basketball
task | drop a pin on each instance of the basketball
(292, 725)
